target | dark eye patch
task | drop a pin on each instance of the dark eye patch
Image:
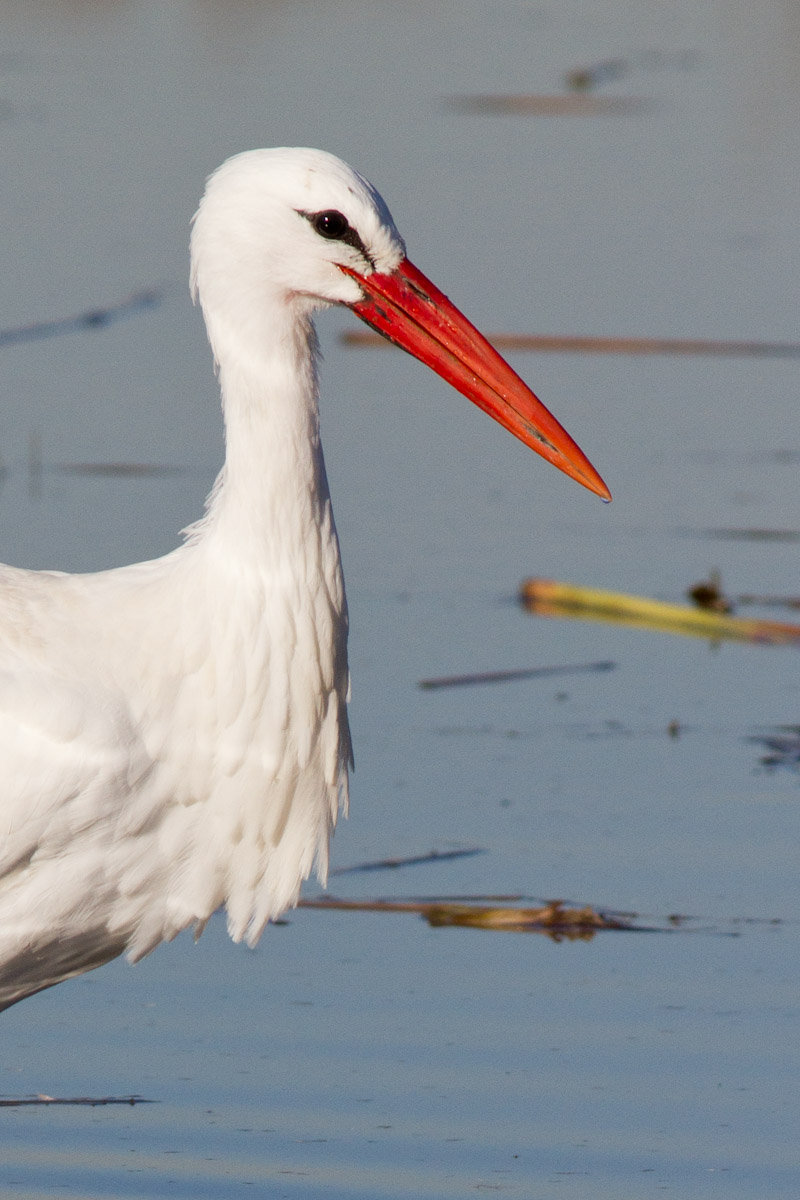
(334, 227)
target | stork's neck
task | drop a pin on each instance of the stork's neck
(272, 496)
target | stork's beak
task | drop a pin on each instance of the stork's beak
(410, 311)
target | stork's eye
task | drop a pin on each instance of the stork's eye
(334, 226)
(331, 224)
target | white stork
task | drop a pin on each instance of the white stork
(173, 734)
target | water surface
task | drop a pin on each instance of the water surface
(365, 1054)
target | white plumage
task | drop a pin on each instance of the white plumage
(173, 734)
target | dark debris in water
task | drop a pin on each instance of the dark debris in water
(770, 601)
(533, 104)
(611, 70)
(95, 318)
(540, 343)
(89, 1101)
(559, 920)
(483, 677)
(782, 746)
(751, 535)
(117, 470)
(708, 594)
(555, 919)
(392, 864)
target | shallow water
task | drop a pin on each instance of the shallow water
(363, 1054)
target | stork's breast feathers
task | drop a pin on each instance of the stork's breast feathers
(200, 769)
(251, 752)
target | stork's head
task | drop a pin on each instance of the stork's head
(282, 232)
(284, 221)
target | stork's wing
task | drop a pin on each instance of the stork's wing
(66, 764)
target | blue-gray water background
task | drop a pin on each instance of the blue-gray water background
(366, 1055)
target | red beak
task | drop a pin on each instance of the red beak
(412, 313)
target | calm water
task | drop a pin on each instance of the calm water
(367, 1055)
